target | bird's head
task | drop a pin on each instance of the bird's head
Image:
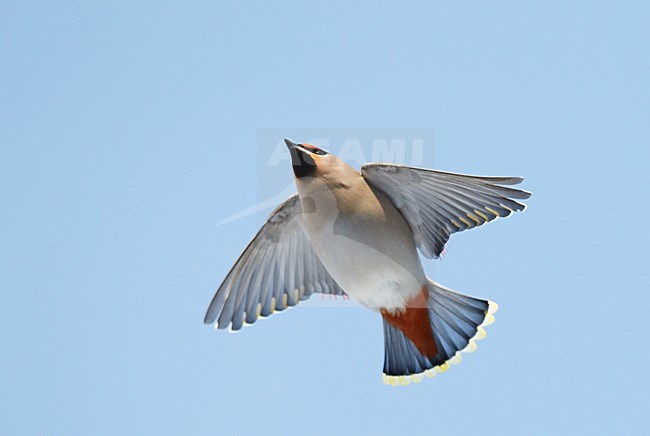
(310, 161)
(318, 171)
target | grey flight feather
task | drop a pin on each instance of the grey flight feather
(436, 203)
(278, 269)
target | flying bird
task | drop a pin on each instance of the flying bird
(358, 234)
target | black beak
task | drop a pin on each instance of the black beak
(303, 164)
(290, 144)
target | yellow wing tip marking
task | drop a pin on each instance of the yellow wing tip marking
(475, 219)
(405, 380)
(492, 211)
(285, 300)
(482, 215)
(465, 221)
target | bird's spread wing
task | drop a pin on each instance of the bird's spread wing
(436, 204)
(278, 269)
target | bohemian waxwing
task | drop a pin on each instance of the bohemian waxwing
(357, 234)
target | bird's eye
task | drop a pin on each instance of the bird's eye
(319, 152)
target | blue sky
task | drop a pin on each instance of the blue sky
(128, 131)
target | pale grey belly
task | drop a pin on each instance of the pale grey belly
(377, 265)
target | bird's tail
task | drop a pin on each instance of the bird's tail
(456, 322)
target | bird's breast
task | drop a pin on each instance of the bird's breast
(366, 246)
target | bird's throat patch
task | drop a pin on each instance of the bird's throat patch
(303, 164)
